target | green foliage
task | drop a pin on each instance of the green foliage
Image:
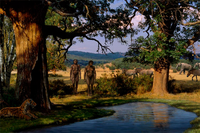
(55, 117)
(55, 58)
(9, 97)
(181, 86)
(156, 47)
(111, 67)
(119, 85)
(54, 75)
(127, 64)
(58, 87)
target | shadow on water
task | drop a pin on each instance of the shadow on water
(132, 117)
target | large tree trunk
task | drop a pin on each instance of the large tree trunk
(161, 77)
(28, 24)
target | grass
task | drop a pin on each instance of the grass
(81, 107)
(61, 116)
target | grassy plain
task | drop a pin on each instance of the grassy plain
(81, 107)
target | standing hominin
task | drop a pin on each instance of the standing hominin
(90, 76)
(75, 74)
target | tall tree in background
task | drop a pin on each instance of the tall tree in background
(9, 54)
(55, 57)
(164, 17)
(28, 17)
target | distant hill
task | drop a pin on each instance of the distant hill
(84, 57)
(87, 55)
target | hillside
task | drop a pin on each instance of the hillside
(84, 57)
(93, 56)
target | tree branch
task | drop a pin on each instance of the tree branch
(57, 32)
(103, 48)
(64, 14)
(195, 38)
(190, 23)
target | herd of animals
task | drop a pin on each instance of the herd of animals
(89, 76)
(184, 66)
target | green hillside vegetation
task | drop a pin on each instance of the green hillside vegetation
(116, 59)
(120, 64)
(93, 56)
(84, 57)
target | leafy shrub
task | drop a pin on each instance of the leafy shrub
(58, 87)
(173, 87)
(10, 98)
(144, 83)
(175, 71)
(122, 63)
(110, 67)
(119, 85)
(54, 75)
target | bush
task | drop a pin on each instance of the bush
(54, 75)
(175, 71)
(172, 86)
(10, 98)
(144, 83)
(110, 67)
(58, 87)
(119, 85)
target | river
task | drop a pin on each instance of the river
(137, 117)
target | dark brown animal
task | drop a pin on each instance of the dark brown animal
(90, 76)
(194, 72)
(75, 74)
(22, 112)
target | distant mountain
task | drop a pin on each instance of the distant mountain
(93, 56)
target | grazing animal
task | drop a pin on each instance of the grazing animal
(22, 112)
(184, 66)
(129, 72)
(194, 72)
(143, 71)
(197, 65)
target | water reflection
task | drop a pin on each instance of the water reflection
(132, 117)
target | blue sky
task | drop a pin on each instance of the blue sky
(91, 46)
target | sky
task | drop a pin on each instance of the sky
(92, 46)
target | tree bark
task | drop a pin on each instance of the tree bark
(161, 77)
(28, 24)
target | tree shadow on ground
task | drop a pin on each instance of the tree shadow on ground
(93, 102)
(181, 86)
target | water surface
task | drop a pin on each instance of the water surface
(137, 117)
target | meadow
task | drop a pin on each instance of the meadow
(72, 108)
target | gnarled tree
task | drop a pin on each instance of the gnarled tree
(28, 19)
(164, 18)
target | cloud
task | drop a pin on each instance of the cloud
(138, 18)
